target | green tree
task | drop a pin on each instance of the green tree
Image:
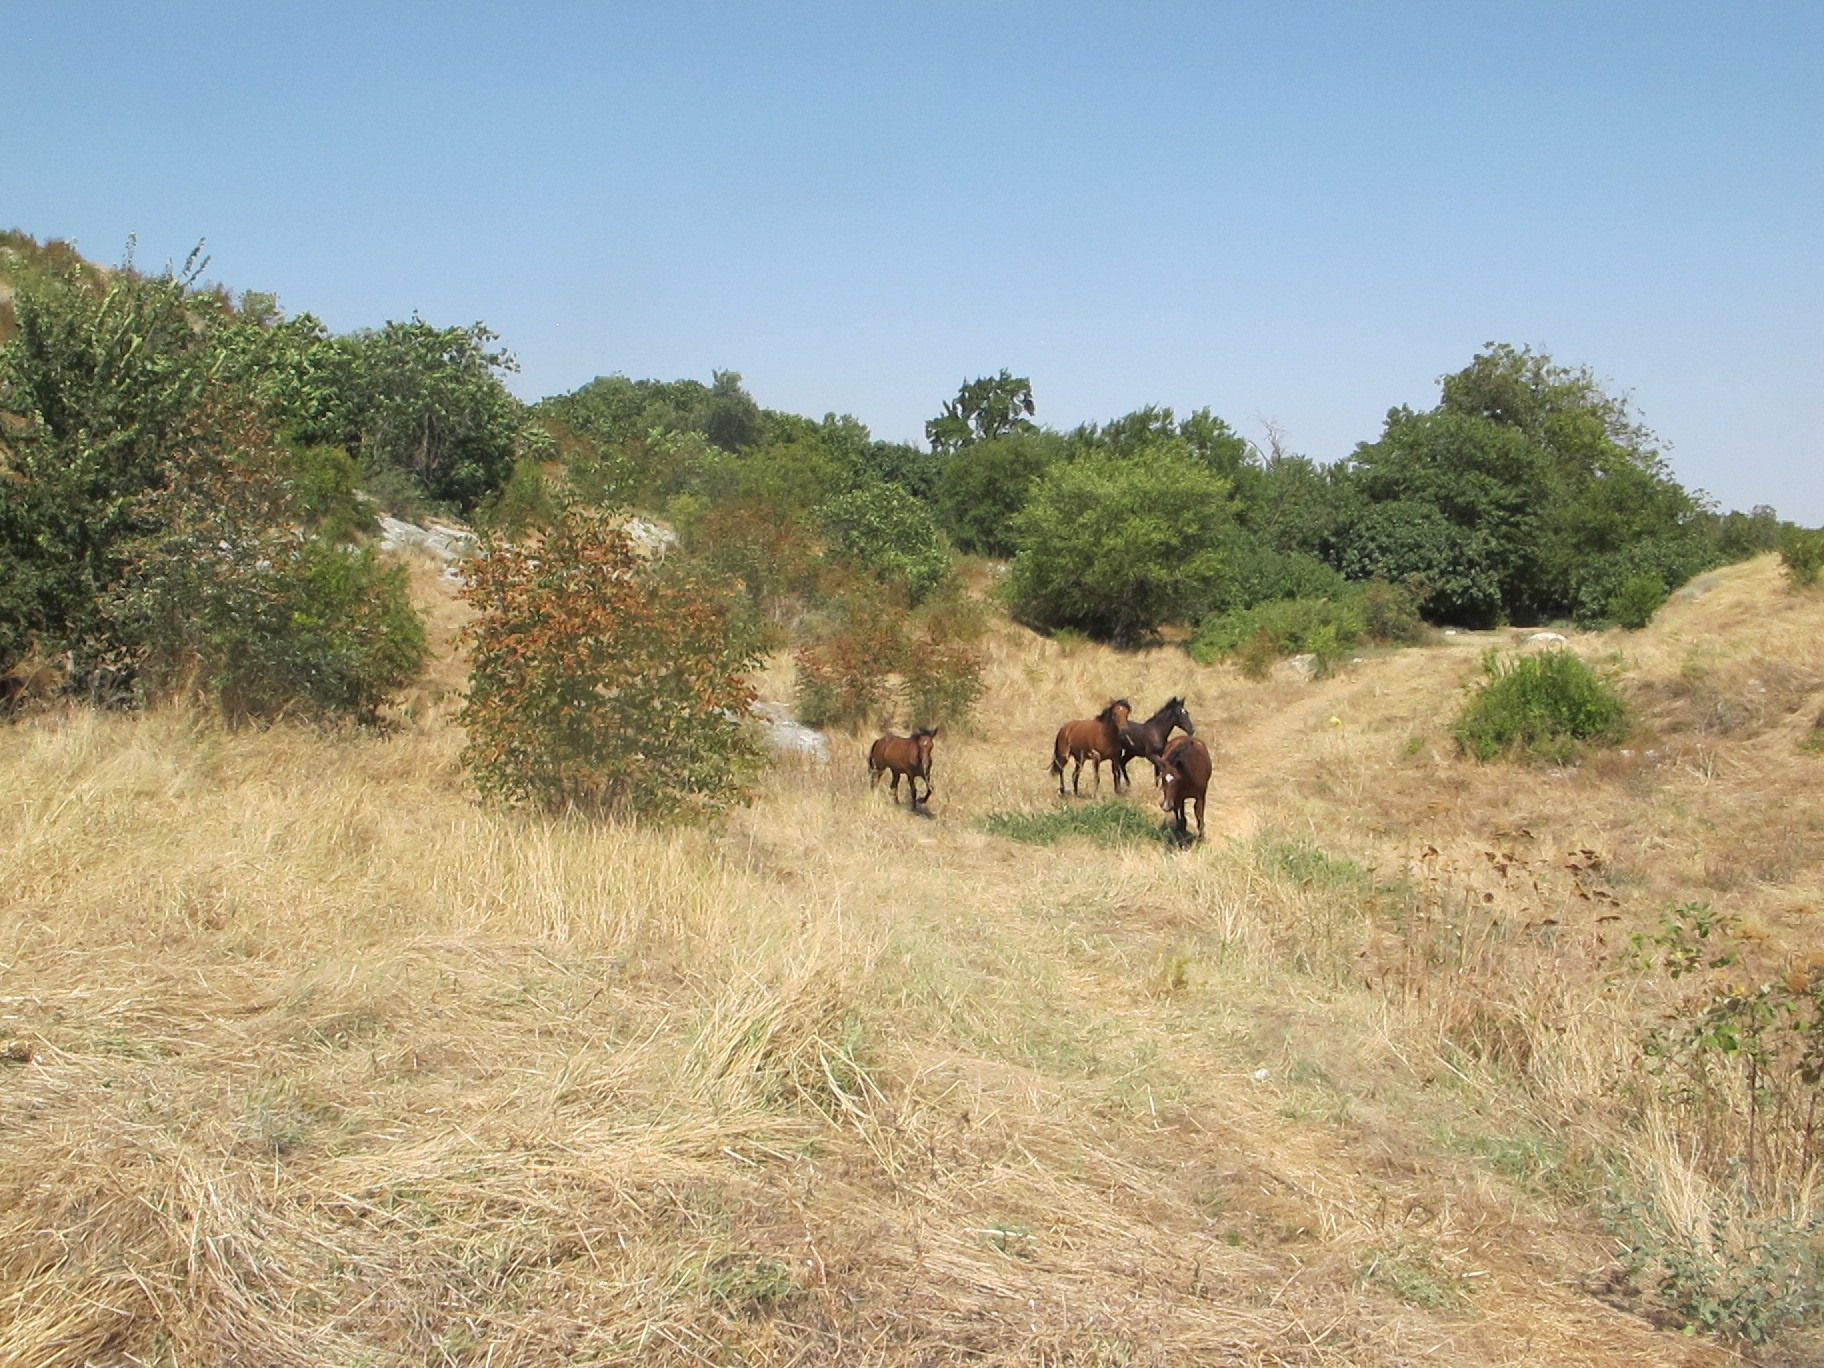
(1116, 546)
(1409, 541)
(428, 401)
(984, 486)
(731, 418)
(106, 375)
(890, 532)
(1547, 471)
(989, 406)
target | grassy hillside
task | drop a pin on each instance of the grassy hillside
(314, 1061)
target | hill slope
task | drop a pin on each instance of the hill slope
(328, 1065)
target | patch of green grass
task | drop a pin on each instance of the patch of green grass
(1412, 1274)
(1109, 822)
(744, 1286)
(1529, 1160)
(1305, 863)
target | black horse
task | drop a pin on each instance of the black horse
(1146, 740)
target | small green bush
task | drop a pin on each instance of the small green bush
(1323, 627)
(1802, 552)
(1328, 628)
(1637, 600)
(1545, 706)
(1744, 1275)
(324, 483)
(523, 502)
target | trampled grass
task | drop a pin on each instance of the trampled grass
(309, 1059)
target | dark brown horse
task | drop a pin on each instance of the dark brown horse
(1184, 773)
(907, 755)
(1146, 740)
(1095, 740)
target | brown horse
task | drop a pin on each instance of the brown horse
(1146, 740)
(1184, 773)
(1094, 740)
(907, 755)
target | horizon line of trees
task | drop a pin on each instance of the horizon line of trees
(147, 422)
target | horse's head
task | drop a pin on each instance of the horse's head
(922, 739)
(1169, 780)
(1180, 716)
(1117, 712)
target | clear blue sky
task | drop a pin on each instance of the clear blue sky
(1300, 212)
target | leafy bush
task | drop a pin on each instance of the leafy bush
(1543, 705)
(1390, 613)
(325, 483)
(1263, 574)
(1802, 553)
(1116, 546)
(1326, 628)
(603, 682)
(1405, 541)
(526, 501)
(893, 534)
(941, 682)
(872, 654)
(1667, 562)
(844, 672)
(426, 401)
(228, 600)
(1637, 599)
(1738, 1275)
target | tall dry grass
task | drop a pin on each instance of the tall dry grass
(329, 1065)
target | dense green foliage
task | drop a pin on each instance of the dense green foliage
(229, 600)
(984, 486)
(1802, 553)
(1542, 706)
(1523, 482)
(603, 682)
(1324, 627)
(154, 532)
(1527, 492)
(1116, 546)
(886, 529)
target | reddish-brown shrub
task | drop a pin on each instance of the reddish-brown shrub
(603, 681)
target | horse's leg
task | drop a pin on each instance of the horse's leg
(1199, 802)
(1076, 777)
(873, 778)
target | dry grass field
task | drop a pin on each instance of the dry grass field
(313, 1061)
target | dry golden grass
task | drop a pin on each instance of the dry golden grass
(329, 1065)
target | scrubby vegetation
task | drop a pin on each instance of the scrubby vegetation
(1544, 706)
(602, 682)
(309, 1056)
